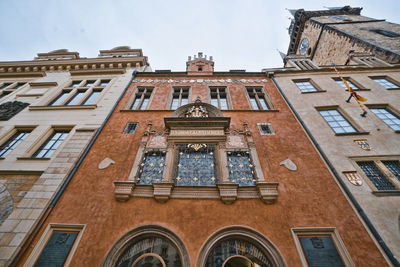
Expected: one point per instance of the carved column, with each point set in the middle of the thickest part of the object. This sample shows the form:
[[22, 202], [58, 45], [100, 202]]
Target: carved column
[[223, 173], [169, 163], [253, 153], [140, 152]]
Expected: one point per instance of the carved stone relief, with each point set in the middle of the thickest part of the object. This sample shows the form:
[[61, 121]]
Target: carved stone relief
[[289, 164], [9, 109], [105, 163], [157, 141]]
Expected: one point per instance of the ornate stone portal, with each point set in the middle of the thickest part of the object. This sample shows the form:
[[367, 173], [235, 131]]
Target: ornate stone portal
[[197, 156]]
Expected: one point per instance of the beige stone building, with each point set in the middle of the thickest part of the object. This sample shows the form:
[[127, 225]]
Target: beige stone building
[[50, 108], [360, 143]]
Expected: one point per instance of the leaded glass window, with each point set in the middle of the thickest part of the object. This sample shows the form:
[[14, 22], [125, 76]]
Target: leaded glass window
[[240, 168], [152, 167], [393, 166], [375, 175], [150, 251], [57, 249], [196, 165], [224, 251]]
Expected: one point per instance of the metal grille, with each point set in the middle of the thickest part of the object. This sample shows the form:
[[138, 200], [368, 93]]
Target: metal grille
[[196, 165], [388, 117], [241, 168], [337, 122], [152, 167], [306, 87], [130, 127], [393, 166], [375, 175]]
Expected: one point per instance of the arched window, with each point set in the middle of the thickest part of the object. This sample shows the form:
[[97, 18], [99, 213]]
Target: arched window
[[239, 246], [147, 246]]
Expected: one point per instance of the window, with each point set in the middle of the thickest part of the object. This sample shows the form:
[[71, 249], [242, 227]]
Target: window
[[130, 127], [257, 98], [196, 165], [337, 122], [219, 97], [59, 99], [104, 83], [11, 143], [180, 97], [306, 86], [386, 83], [265, 128], [152, 167], [51, 144], [376, 175], [240, 168], [349, 82], [75, 84], [4, 85], [388, 117], [142, 98], [9, 87], [385, 33], [393, 166], [340, 18], [74, 100], [56, 246], [91, 99]]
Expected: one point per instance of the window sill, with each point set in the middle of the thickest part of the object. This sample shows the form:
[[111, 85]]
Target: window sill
[[356, 133], [31, 158], [360, 89], [384, 193], [395, 88], [313, 92], [61, 107]]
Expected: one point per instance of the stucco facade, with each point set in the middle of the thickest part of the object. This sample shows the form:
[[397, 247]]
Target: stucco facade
[[50, 104], [292, 194]]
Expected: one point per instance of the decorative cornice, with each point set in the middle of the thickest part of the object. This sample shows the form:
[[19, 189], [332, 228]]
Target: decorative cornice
[[201, 80]]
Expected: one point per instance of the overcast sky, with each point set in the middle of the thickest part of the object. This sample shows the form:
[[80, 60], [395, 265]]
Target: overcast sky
[[238, 34]]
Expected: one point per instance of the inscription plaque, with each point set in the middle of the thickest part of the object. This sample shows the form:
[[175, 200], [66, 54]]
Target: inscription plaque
[[320, 251], [196, 132]]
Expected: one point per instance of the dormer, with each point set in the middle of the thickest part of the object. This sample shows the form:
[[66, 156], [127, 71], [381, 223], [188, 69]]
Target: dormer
[[200, 65], [57, 55]]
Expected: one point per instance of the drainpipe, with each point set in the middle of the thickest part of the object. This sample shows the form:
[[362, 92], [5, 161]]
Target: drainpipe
[[364, 216], [70, 175]]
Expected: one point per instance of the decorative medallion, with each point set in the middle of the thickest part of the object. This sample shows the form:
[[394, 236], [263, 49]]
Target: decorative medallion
[[196, 147], [235, 141], [105, 163], [9, 109], [289, 164], [196, 112], [157, 141], [353, 178], [363, 143]]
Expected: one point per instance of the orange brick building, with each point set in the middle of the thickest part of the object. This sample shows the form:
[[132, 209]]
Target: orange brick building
[[202, 168]]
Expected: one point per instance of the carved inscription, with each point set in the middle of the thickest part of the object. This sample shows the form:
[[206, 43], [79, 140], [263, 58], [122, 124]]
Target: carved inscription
[[196, 132]]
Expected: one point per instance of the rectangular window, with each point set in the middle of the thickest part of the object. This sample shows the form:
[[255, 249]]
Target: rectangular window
[[51, 144], [180, 97], [89, 83], [104, 83], [59, 99], [388, 117], [350, 83], [130, 127], [337, 122], [18, 85], [265, 128], [219, 97], [11, 143], [75, 84], [240, 168], [306, 86], [92, 97], [75, 99], [142, 98], [375, 175], [320, 251], [393, 166], [152, 167], [4, 85], [386, 83], [257, 98]]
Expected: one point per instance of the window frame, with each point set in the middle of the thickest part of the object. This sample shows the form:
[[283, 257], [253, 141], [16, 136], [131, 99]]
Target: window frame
[[228, 97], [378, 161], [50, 229], [389, 109], [359, 130], [260, 124], [134, 96], [6, 138], [171, 96], [262, 94], [351, 80], [387, 78], [317, 88], [48, 140], [11, 87]]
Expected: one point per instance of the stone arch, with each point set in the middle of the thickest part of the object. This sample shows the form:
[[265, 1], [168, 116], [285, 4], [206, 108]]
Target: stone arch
[[212, 111], [140, 233], [246, 234]]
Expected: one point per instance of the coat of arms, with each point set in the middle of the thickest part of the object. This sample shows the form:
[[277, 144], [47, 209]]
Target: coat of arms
[[353, 178]]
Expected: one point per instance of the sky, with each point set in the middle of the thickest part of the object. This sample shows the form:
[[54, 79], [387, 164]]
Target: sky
[[242, 34]]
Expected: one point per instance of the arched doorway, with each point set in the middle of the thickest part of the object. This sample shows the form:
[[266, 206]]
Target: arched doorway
[[239, 246], [148, 246]]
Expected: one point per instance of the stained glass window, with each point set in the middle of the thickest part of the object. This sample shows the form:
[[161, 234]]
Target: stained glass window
[[232, 247], [196, 165], [152, 167], [240, 168], [57, 249], [138, 254]]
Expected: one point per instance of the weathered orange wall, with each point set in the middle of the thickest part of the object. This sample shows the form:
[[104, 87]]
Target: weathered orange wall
[[309, 197]]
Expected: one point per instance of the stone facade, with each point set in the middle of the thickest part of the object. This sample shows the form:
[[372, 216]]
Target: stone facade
[[113, 199], [28, 90]]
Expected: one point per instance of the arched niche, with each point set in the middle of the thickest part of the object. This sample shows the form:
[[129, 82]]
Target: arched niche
[[148, 243], [239, 245]]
